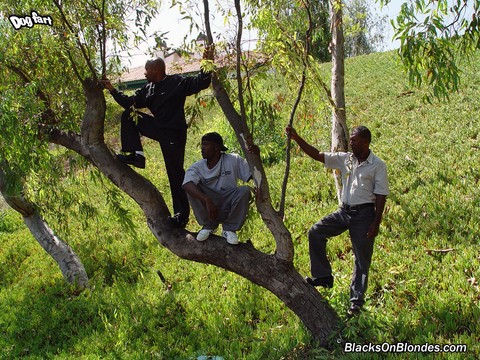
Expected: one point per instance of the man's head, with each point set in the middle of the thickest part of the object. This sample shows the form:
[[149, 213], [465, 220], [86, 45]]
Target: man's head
[[360, 141], [212, 145], [155, 70]]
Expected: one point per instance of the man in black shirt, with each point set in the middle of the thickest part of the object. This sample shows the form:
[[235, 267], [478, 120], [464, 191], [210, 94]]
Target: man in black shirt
[[164, 95]]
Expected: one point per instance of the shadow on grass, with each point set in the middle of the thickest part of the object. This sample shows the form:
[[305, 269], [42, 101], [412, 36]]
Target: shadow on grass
[[128, 321], [46, 321]]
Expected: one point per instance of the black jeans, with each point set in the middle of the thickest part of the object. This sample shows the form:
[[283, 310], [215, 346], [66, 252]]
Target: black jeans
[[172, 143], [357, 223]]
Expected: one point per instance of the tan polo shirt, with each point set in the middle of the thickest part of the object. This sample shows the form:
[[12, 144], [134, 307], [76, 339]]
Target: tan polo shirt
[[360, 181]]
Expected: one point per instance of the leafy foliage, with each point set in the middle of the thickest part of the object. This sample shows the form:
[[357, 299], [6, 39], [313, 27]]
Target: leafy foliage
[[283, 24], [42, 69], [122, 269], [363, 29], [431, 34]]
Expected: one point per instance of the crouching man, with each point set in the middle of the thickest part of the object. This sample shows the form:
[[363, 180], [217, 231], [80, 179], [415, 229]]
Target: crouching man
[[212, 190]]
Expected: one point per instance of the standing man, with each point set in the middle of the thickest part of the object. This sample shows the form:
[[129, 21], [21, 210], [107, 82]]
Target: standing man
[[211, 186], [164, 95], [364, 192]]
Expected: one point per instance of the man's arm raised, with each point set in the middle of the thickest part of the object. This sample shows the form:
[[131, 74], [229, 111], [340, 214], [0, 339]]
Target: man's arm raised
[[307, 148]]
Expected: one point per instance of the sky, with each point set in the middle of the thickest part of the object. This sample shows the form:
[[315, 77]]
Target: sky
[[170, 21]]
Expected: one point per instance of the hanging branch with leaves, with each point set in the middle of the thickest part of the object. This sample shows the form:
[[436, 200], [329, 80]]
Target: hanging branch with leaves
[[239, 62], [308, 34], [81, 46]]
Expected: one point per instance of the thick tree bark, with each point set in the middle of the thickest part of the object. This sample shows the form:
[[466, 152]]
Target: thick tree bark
[[70, 265], [266, 270], [273, 220], [339, 117], [72, 268]]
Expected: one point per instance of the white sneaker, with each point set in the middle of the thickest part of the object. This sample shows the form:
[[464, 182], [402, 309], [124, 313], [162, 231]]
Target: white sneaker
[[231, 237], [204, 234]]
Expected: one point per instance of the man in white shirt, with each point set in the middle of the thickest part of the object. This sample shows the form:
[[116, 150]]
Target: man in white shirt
[[364, 192], [211, 187]]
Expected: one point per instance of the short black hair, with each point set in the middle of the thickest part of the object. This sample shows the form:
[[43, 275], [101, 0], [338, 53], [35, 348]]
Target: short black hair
[[158, 63], [363, 132]]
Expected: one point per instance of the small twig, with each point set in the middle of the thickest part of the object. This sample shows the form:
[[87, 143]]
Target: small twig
[[239, 60], [160, 275], [167, 285], [438, 251]]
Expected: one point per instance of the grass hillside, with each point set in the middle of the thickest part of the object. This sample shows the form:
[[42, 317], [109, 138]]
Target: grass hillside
[[424, 286]]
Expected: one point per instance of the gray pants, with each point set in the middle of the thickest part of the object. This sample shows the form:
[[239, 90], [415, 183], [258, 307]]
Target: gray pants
[[357, 223], [232, 208]]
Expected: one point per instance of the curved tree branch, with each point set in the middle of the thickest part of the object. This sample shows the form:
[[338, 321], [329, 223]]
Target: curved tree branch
[[308, 34], [69, 263], [283, 240], [67, 139]]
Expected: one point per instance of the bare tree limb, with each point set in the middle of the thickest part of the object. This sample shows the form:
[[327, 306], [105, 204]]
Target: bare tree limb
[[67, 139], [69, 263], [238, 50], [308, 34]]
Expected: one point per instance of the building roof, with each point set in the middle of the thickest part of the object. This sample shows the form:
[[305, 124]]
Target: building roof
[[134, 78]]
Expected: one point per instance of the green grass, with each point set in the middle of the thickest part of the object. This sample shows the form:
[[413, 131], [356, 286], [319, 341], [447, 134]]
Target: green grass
[[416, 295]]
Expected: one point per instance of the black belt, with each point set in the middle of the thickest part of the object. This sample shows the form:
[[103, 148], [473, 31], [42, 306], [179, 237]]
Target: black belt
[[351, 208]]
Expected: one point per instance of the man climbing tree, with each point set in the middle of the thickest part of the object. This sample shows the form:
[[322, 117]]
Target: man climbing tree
[[164, 95]]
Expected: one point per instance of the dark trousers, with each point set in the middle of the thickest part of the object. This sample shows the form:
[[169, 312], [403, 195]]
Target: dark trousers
[[357, 223], [172, 143]]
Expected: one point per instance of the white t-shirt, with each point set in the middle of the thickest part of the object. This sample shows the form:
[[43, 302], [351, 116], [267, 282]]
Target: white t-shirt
[[360, 181], [223, 176]]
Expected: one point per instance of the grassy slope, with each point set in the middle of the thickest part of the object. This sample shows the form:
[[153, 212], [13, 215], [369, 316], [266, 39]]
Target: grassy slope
[[415, 295]]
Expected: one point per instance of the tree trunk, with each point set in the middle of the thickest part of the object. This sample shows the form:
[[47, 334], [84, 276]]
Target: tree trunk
[[273, 220], [72, 268], [70, 265], [339, 117]]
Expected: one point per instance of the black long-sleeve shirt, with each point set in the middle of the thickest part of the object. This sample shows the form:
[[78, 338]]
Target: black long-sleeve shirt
[[166, 99]]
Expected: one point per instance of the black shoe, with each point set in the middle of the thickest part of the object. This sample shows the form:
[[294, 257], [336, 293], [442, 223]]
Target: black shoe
[[178, 220], [326, 282], [354, 310], [132, 159]]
